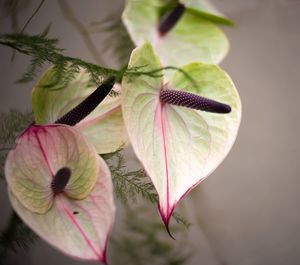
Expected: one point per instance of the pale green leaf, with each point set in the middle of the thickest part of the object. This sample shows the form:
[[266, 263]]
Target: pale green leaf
[[205, 9], [192, 39], [104, 127]]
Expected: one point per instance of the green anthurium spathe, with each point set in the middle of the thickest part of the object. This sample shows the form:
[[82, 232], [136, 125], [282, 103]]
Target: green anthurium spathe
[[205, 9], [104, 127], [192, 39], [178, 146], [62, 190]]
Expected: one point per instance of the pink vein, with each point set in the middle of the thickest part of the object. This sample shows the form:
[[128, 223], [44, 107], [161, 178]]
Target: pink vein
[[43, 152], [81, 231], [162, 126]]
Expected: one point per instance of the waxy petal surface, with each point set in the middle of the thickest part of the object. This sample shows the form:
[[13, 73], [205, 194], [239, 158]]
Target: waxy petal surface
[[78, 228], [192, 39], [41, 151], [104, 127], [178, 147], [205, 9]]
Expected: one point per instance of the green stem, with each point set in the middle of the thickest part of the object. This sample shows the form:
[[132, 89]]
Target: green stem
[[43, 50], [53, 56], [28, 21], [32, 16]]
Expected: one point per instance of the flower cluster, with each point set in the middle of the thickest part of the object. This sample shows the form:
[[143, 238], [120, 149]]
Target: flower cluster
[[179, 130]]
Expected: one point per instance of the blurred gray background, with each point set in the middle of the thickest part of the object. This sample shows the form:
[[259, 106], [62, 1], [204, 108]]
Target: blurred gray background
[[248, 211]]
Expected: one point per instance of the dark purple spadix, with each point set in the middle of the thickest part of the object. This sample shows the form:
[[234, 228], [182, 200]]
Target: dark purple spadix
[[60, 179], [170, 20], [88, 105], [189, 100]]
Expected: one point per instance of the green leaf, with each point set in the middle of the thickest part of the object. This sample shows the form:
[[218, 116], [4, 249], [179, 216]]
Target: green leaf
[[178, 147], [192, 39], [104, 127], [205, 9]]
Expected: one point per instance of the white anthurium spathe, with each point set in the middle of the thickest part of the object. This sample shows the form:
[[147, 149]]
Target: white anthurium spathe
[[192, 39], [178, 146], [61, 188], [103, 127]]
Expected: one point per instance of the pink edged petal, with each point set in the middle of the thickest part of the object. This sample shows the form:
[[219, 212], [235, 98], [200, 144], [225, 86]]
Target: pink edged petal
[[40, 152], [79, 228]]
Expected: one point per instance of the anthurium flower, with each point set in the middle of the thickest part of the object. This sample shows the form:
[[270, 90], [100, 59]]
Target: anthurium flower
[[62, 190], [178, 37], [180, 132], [59, 185], [103, 127]]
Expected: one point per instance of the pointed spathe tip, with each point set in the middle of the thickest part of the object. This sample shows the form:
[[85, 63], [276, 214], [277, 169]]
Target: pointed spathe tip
[[104, 260], [103, 257], [168, 229], [166, 216]]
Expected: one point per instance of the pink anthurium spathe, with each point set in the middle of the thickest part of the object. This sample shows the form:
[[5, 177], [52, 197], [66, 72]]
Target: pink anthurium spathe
[[62, 190], [59, 185], [180, 132]]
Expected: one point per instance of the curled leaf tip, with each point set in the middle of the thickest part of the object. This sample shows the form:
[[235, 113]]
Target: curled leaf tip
[[167, 226], [169, 232], [104, 258], [190, 100], [170, 20], [60, 179], [83, 109], [166, 220]]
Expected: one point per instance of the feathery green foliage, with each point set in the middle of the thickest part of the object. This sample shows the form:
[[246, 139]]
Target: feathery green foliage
[[180, 219], [128, 185], [16, 235], [43, 50], [11, 124]]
